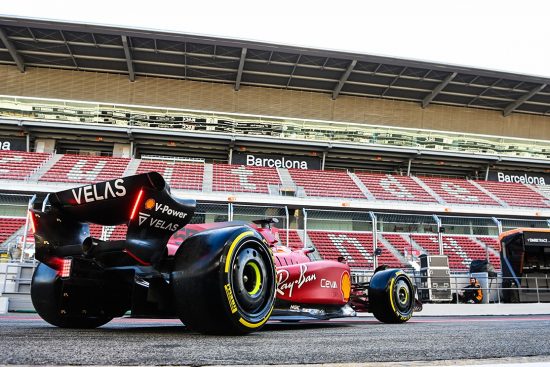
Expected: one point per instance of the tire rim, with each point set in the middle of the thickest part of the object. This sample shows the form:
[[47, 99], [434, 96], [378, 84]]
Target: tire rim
[[249, 278], [403, 296], [252, 278]]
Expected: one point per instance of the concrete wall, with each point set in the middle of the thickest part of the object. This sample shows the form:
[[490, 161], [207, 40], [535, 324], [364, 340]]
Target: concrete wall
[[113, 88]]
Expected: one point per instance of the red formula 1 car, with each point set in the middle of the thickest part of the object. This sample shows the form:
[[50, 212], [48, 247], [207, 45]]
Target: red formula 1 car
[[224, 278]]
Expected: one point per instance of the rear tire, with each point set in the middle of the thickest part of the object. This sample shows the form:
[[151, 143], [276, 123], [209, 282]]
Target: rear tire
[[224, 281], [391, 296], [46, 298]]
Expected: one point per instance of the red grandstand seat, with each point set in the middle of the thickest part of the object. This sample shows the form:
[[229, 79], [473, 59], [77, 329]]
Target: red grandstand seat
[[86, 169], [16, 165], [179, 175], [8, 227], [494, 255], [461, 250], [396, 188], [401, 244], [326, 183], [356, 247], [516, 194], [294, 240], [235, 178], [458, 191], [112, 233]]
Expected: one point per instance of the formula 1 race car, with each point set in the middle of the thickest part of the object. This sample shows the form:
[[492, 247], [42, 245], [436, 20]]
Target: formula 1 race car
[[225, 278]]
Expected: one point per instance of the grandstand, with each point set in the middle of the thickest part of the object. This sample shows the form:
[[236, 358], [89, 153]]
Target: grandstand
[[356, 152]]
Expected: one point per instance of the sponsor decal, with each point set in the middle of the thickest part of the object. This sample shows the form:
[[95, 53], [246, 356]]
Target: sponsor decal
[[283, 284], [149, 204], [91, 193], [346, 286], [524, 179], [13, 144], [325, 283], [536, 238], [274, 161], [156, 223], [164, 209], [230, 298], [530, 178], [282, 162], [142, 217]]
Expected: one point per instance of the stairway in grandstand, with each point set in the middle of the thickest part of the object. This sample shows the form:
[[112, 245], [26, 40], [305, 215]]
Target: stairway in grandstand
[[132, 167], [361, 186], [544, 190], [208, 178], [287, 184], [428, 190], [45, 167], [458, 191], [489, 193]]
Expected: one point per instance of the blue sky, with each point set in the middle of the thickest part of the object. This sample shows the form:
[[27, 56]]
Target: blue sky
[[498, 35]]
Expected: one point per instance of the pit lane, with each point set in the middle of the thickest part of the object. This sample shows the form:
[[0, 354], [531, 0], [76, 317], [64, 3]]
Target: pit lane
[[26, 339]]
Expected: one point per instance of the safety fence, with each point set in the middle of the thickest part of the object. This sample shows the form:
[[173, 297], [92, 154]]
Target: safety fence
[[15, 279], [494, 289], [20, 243]]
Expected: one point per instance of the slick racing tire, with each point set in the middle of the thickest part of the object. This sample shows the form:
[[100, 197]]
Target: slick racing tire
[[391, 296], [46, 298], [224, 281]]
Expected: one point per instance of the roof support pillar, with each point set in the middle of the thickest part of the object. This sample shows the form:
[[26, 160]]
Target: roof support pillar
[[240, 70], [426, 101], [343, 79], [512, 106], [129, 60], [12, 50]]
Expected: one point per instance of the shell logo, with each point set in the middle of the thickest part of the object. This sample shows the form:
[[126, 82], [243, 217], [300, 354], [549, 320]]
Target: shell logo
[[149, 204], [346, 286]]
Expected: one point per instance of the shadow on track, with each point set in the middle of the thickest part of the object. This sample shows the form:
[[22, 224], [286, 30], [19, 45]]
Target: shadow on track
[[182, 329]]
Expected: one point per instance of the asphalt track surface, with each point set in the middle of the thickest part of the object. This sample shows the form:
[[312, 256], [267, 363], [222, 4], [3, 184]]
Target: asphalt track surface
[[26, 339]]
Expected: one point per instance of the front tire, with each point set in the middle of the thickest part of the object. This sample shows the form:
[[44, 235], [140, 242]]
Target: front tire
[[46, 295], [391, 296], [224, 281]]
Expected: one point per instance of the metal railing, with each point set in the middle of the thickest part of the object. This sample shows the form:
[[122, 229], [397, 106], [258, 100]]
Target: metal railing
[[493, 292], [11, 280], [292, 128]]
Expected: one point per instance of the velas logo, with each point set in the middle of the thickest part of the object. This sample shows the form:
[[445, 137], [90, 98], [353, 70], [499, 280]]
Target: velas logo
[[142, 217], [149, 204]]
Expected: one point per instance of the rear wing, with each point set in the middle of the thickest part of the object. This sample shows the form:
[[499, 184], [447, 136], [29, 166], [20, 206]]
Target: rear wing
[[143, 202]]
